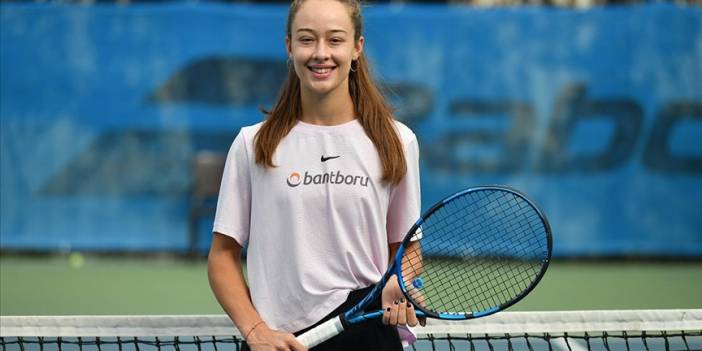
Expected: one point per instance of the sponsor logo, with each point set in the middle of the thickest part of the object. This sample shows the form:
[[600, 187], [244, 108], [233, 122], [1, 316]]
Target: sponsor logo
[[333, 177], [325, 159], [294, 179]]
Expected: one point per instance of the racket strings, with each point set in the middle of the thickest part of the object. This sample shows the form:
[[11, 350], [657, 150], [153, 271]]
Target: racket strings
[[478, 251]]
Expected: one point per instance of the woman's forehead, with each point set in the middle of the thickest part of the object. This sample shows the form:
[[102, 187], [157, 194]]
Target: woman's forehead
[[323, 15]]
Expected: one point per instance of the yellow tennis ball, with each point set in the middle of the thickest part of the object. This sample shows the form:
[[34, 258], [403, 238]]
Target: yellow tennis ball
[[76, 260]]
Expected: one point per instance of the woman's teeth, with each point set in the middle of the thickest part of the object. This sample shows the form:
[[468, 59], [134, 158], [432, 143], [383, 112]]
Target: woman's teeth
[[321, 70]]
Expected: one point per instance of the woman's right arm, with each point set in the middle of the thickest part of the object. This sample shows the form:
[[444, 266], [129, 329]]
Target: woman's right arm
[[227, 282]]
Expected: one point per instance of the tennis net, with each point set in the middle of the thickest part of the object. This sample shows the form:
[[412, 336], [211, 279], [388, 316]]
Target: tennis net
[[508, 331]]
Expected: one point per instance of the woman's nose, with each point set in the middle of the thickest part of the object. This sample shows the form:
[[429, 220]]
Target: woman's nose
[[321, 51]]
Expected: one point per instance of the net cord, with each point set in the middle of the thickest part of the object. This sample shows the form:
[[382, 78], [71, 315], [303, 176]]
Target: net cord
[[557, 323]]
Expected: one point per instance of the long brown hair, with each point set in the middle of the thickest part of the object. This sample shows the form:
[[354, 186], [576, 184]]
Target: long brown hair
[[370, 106]]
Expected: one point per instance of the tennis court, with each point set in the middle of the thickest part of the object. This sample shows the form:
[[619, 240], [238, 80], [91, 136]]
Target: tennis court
[[109, 286], [579, 305], [161, 287]]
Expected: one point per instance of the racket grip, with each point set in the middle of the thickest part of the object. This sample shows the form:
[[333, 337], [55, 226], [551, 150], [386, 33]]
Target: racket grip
[[321, 333]]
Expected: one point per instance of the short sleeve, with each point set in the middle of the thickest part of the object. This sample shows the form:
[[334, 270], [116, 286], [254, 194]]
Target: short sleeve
[[234, 202], [405, 203]]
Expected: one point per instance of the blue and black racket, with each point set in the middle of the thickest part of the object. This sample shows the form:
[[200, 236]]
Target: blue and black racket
[[479, 251]]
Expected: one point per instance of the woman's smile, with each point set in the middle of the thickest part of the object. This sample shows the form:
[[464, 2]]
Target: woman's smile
[[321, 71]]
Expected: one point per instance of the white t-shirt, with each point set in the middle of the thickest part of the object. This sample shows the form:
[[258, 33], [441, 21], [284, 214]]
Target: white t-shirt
[[317, 225]]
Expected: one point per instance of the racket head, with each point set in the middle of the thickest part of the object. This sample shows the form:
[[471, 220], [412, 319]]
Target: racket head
[[481, 250]]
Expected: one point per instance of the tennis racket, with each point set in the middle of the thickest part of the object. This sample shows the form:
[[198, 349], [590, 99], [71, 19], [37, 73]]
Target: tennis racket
[[479, 251]]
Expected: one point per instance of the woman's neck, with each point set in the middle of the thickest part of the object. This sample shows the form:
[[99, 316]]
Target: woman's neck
[[327, 110]]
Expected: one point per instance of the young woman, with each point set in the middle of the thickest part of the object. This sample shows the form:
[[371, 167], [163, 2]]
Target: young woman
[[322, 193]]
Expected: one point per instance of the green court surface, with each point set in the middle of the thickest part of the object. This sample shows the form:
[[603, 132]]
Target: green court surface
[[136, 286]]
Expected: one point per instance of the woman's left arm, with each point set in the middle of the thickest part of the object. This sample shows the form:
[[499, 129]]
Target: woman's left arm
[[403, 209]]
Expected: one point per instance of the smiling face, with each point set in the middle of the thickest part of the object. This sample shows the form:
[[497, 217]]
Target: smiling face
[[322, 46]]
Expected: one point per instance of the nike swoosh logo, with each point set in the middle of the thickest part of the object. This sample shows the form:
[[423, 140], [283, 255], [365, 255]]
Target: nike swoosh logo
[[325, 159]]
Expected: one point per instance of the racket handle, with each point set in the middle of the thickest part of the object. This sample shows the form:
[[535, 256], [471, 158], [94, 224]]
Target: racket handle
[[321, 333]]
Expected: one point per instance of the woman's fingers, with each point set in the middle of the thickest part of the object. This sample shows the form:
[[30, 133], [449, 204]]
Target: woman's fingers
[[401, 312], [411, 315], [393, 312], [386, 315]]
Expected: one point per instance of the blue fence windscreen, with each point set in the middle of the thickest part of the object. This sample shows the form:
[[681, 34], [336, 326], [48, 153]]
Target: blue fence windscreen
[[597, 114]]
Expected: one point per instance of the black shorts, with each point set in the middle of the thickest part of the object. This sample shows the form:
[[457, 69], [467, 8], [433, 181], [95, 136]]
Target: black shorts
[[372, 335]]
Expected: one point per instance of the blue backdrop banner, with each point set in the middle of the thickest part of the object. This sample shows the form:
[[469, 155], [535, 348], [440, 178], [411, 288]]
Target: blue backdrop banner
[[596, 114]]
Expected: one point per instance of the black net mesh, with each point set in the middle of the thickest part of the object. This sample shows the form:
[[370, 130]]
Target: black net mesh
[[625, 341]]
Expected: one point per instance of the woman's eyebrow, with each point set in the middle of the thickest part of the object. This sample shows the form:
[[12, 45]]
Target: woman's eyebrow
[[313, 31]]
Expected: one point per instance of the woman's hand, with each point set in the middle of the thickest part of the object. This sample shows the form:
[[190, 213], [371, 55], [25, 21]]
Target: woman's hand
[[396, 310], [262, 338]]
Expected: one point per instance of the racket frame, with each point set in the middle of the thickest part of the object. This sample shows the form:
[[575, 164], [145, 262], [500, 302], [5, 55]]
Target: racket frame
[[397, 261]]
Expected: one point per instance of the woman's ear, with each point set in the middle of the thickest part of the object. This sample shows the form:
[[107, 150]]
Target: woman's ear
[[288, 46], [358, 47]]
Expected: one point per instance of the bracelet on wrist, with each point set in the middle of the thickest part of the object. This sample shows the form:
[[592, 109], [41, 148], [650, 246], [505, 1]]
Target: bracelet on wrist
[[246, 337]]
